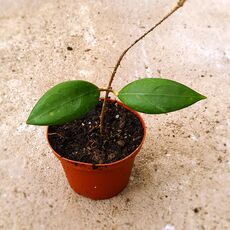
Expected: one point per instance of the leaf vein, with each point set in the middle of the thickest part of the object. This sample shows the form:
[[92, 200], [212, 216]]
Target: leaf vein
[[160, 95]]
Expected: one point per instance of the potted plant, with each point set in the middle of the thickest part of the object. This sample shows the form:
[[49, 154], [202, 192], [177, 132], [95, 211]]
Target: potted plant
[[97, 139]]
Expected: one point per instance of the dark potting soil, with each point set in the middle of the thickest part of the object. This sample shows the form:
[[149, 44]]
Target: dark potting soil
[[81, 140]]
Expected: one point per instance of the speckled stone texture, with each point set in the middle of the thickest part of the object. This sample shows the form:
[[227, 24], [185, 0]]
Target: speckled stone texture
[[181, 178]]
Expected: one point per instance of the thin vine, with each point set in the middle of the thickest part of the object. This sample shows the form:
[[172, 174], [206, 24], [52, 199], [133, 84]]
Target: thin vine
[[109, 89]]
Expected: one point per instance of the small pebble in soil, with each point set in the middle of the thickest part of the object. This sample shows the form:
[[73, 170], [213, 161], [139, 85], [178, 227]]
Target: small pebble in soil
[[121, 143]]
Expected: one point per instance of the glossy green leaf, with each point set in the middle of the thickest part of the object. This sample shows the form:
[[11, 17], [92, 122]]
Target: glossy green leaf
[[64, 102], [157, 95]]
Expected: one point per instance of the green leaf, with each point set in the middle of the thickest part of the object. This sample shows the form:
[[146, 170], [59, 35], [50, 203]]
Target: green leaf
[[157, 95], [64, 102]]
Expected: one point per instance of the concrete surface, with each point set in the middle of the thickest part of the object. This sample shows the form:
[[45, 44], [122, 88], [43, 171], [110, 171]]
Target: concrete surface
[[181, 178]]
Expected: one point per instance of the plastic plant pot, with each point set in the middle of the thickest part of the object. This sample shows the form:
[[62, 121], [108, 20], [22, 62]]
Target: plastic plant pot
[[100, 181]]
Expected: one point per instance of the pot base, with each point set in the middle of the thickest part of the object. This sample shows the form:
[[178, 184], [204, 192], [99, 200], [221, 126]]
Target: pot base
[[99, 183]]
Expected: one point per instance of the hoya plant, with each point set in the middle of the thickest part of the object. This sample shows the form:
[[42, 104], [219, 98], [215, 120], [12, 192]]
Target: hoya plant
[[72, 100]]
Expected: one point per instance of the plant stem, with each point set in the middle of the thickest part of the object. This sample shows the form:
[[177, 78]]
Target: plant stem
[[180, 3]]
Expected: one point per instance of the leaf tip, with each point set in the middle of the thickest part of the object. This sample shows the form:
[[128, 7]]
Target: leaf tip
[[29, 121], [202, 97]]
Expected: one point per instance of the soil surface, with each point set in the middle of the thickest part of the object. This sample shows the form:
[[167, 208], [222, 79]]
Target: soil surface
[[81, 140]]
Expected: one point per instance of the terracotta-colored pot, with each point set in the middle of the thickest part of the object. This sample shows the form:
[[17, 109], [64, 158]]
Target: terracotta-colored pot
[[100, 181]]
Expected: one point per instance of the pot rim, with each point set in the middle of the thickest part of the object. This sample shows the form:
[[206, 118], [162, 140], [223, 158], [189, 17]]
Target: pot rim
[[133, 154]]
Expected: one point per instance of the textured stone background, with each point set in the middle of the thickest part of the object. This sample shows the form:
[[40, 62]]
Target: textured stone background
[[181, 178]]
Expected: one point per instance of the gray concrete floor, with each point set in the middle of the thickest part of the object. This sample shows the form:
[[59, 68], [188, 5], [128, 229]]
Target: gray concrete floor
[[181, 178]]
